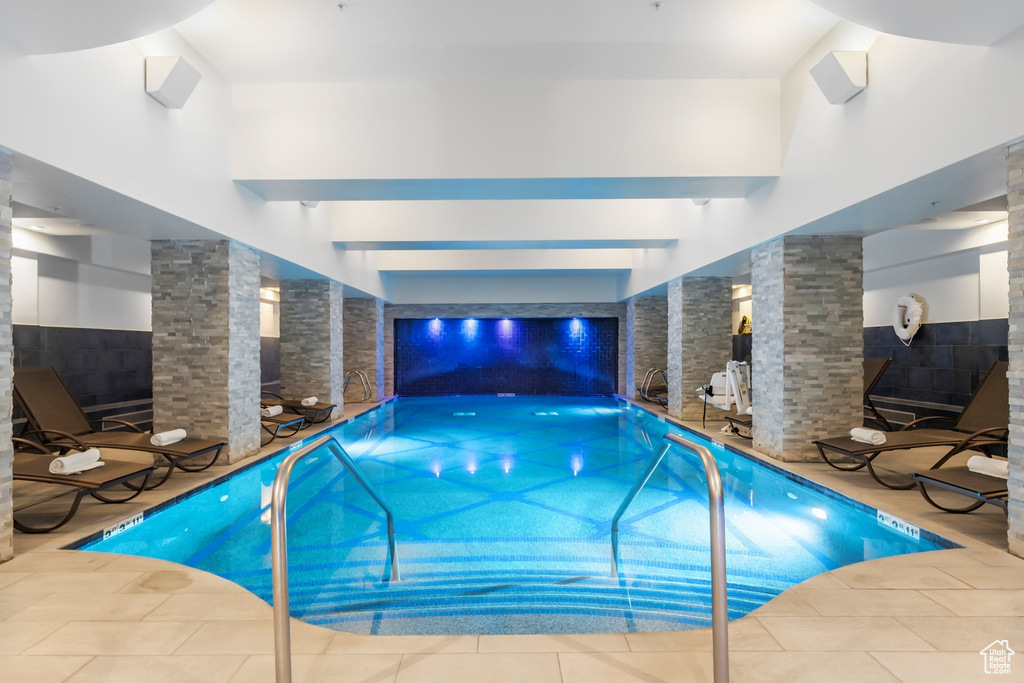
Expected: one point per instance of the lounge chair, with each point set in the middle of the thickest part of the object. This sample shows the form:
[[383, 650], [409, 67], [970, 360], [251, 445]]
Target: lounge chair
[[981, 488], [984, 422], [32, 463], [873, 370], [274, 425], [56, 419], [318, 412]]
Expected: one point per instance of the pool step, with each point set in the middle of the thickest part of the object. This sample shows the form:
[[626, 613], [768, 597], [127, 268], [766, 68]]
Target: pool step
[[484, 603]]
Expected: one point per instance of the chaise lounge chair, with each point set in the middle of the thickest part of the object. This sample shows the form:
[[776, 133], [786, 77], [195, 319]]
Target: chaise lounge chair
[[874, 368], [981, 488], [55, 418], [32, 463], [318, 412], [984, 422], [274, 425]]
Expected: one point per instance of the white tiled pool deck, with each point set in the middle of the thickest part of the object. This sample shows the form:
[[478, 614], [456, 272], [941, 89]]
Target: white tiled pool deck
[[94, 617]]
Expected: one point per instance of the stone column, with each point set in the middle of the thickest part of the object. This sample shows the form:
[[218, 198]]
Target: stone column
[[1015, 485], [6, 362], [808, 346], [379, 351], [312, 344], [206, 341], [632, 384], [364, 326], [650, 319], [699, 339]]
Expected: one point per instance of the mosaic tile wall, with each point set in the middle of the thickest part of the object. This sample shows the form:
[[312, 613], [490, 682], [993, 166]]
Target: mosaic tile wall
[[394, 312], [446, 356]]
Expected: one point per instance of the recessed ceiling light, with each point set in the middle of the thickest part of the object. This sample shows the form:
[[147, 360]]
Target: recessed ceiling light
[[37, 228]]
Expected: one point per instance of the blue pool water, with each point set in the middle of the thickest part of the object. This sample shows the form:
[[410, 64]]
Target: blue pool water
[[503, 509]]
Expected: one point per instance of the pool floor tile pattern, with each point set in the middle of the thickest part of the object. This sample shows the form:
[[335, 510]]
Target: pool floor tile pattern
[[786, 640]]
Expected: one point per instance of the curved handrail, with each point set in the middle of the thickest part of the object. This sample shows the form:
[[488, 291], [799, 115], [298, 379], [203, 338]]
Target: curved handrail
[[716, 507], [363, 380], [279, 543], [645, 386]]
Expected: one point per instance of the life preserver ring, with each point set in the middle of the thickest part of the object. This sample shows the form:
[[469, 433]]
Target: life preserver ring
[[906, 317]]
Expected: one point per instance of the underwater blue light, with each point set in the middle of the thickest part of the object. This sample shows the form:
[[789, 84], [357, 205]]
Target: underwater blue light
[[470, 328], [434, 328]]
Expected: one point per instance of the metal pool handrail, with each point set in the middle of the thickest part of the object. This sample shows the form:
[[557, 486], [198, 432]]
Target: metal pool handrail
[[716, 507], [279, 543]]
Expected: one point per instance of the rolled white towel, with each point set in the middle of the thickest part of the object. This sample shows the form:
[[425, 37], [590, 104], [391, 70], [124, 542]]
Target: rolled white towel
[[271, 411], [309, 401], [167, 438], [73, 463], [989, 466], [871, 436]]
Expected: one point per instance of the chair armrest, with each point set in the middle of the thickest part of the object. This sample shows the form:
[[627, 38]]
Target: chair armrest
[[26, 445], [66, 436], [132, 425], [924, 419]]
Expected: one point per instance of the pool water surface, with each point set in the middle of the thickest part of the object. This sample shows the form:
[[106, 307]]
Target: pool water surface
[[503, 509]]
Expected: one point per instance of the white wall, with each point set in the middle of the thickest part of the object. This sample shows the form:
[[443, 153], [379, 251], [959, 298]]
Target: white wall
[[961, 275], [94, 281], [557, 129], [87, 114], [917, 134]]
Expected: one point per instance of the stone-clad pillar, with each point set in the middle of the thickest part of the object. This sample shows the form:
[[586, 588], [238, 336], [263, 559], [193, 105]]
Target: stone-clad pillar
[[808, 345], [6, 362], [649, 317], [1015, 200], [312, 345], [379, 351], [364, 328], [699, 339], [206, 341]]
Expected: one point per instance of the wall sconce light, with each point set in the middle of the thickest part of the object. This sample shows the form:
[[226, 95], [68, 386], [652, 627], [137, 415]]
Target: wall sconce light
[[841, 75], [171, 80]]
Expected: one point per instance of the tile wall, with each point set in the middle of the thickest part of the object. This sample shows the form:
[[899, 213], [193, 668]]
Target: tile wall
[[446, 356]]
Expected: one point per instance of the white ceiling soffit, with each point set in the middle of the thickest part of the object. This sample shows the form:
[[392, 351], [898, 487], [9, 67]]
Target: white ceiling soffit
[[980, 22], [410, 189], [293, 41], [515, 260], [48, 26], [504, 225]]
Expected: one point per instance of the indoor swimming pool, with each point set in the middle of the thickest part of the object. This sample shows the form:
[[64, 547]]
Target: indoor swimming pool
[[503, 507]]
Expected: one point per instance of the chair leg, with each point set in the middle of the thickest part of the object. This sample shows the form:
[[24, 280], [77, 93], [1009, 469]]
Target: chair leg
[[843, 467], [973, 506], [137, 490], [24, 528], [178, 462], [895, 487]]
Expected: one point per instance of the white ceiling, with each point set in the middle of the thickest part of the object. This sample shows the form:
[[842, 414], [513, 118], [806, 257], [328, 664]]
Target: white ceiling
[[269, 41]]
